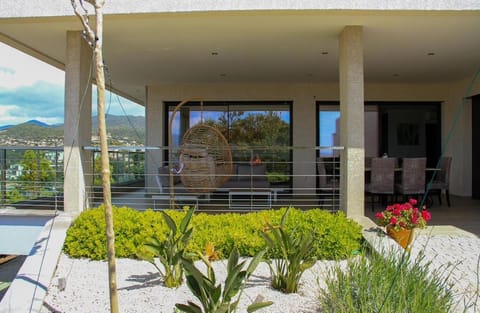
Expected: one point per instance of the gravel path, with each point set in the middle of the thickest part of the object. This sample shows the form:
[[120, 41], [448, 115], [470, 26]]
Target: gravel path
[[141, 290], [458, 259]]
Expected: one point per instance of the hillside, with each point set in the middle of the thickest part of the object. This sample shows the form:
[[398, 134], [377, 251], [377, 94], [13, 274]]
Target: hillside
[[122, 130]]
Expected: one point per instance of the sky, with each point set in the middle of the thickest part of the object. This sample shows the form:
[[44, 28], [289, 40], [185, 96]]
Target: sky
[[31, 89]]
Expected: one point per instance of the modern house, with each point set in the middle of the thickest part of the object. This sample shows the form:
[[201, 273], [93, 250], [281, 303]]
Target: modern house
[[401, 75]]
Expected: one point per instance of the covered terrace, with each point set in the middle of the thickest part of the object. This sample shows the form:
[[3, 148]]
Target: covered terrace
[[314, 57]]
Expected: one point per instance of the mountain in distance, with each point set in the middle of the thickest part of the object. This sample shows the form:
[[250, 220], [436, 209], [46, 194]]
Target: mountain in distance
[[122, 130], [38, 123], [5, 127], [30, 122]]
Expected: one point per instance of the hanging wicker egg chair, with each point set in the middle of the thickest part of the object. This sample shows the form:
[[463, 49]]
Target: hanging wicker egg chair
[[205, 157]]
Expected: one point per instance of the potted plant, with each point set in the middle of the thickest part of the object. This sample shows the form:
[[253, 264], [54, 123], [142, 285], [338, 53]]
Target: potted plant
[[400, 221]]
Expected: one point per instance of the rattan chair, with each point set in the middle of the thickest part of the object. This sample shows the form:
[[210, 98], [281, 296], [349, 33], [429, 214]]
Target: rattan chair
[[205, 156], [382, 179], [328, 186], [412, 182], [441, 180]]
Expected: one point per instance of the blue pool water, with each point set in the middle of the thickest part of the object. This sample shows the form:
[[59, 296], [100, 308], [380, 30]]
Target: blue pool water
[[18, 234]]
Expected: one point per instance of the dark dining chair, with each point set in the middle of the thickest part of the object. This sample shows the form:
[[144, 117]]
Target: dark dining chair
[[382, 179], [412, 181], [328, 185], [441, 181]]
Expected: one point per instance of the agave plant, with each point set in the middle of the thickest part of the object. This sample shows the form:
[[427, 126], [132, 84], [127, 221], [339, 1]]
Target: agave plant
[[296, 255], [212, 297], [171, 251]]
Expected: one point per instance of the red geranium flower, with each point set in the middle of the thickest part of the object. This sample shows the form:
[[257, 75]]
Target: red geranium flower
[[426, 215], [403, 216]]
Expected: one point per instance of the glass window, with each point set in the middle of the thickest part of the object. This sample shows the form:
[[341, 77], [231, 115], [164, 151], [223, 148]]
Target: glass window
[[260, 129], [399, 129]]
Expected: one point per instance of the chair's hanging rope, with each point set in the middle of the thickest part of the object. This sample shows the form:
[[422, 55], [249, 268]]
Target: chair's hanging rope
[[170, 149]]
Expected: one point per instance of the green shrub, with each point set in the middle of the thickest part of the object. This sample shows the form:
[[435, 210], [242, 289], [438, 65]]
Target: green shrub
[[384, 284], [335, 236], [86, 237], [296, 255], [171, 250], [217, 297]]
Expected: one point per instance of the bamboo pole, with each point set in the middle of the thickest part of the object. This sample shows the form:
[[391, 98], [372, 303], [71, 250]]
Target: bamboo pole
[[95, 40]]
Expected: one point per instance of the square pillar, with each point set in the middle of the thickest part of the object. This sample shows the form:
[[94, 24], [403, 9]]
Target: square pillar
[[154, 137], [78, 123], [352, 167]]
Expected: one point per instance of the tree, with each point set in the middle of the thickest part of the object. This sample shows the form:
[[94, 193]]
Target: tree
[[36, 172], [94, 37]]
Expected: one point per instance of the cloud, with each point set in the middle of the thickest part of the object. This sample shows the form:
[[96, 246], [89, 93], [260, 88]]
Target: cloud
[[31, 89], [6, 71], [19, 69], [42, 101]]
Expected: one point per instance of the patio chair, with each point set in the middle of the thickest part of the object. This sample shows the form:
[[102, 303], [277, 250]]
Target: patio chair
[[164, 195], [441, 181], [382, 179], [412, 183], [328, 185]]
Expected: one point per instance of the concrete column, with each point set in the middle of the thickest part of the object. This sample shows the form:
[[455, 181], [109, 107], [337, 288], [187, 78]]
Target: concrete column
[[154, 137], [352, 181], [304, 167], [78, 123]]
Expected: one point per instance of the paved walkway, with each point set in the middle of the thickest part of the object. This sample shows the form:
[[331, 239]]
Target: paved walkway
[[453, 252]]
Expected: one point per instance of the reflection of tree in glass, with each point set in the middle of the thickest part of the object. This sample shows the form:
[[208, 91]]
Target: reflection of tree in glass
[[259, 132], [263, 129], [37, 171]]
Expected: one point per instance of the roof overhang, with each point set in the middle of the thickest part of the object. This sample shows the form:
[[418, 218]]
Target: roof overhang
[[257, 46]]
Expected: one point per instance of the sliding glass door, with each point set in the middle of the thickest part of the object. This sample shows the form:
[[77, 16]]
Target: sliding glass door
[[398, 129], [252, 128]]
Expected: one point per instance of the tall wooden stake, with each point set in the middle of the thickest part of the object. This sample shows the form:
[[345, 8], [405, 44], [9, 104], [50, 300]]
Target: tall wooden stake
[[94, 37]]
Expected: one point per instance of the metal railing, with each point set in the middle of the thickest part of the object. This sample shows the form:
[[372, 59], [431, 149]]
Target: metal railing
[[32, 177]]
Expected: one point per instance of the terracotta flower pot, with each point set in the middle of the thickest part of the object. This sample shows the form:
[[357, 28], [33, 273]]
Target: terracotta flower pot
[[403, 237]]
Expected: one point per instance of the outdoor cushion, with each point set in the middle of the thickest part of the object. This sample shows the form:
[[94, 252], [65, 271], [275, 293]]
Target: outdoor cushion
[[252, 172]]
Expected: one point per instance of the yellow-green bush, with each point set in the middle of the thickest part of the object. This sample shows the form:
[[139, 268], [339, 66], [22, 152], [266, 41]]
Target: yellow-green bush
[[335, 236]]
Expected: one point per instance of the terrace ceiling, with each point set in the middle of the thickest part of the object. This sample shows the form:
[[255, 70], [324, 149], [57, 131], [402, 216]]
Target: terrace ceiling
[[262, 46]]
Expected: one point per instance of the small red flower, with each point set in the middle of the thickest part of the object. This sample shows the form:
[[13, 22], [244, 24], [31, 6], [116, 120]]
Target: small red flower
[[414, 219], [426, 215], [403, 216]]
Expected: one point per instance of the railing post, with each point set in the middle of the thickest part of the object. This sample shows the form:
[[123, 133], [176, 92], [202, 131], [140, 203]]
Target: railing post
[[3, 169]]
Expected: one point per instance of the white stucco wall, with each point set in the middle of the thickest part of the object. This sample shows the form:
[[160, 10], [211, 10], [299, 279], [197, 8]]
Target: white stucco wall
[[457, 130], [304, 97], [34, 8]]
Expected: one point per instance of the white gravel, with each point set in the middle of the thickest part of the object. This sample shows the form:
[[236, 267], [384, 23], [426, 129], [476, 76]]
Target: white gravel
[[140, 288]]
